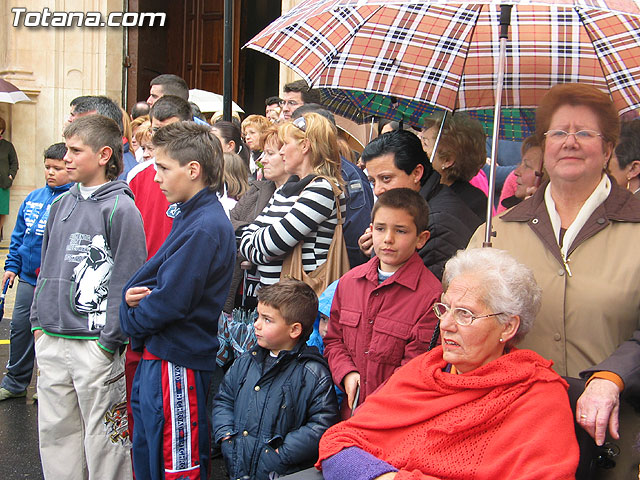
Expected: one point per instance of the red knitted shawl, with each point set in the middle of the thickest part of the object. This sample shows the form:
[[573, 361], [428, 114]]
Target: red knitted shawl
[[508, 419]]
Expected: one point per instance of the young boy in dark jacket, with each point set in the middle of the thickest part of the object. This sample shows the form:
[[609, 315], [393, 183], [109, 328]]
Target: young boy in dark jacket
[[171, 309], [276, 400]]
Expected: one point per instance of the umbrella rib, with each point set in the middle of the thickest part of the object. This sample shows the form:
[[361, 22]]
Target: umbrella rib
[[466, 57]]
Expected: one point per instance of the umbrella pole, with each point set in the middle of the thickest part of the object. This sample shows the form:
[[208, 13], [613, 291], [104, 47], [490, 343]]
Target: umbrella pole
[[437, 142], [227, 69], [505, 20]]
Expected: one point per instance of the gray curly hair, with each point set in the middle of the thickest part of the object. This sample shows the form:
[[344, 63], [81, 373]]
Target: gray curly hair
[[508, 285]]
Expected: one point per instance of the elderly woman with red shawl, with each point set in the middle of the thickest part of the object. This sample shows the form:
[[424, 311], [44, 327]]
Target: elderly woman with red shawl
[[473, 408]]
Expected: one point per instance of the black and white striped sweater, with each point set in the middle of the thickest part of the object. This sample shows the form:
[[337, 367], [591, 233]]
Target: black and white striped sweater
[[294, 214]]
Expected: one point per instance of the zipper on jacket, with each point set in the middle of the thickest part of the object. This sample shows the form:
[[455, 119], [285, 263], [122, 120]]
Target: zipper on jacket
[[566, 261]]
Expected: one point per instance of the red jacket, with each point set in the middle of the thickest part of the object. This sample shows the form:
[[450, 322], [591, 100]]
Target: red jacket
[[509, 419], [153, 207], [375, 328]]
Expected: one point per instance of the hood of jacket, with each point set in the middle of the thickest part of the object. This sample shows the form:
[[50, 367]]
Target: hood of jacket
[[109, 189]]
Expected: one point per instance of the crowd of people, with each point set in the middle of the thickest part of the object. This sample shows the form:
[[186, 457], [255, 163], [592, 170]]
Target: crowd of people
[[170, 269]]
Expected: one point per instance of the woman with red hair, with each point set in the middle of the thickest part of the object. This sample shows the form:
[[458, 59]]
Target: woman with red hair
[[576, 234]]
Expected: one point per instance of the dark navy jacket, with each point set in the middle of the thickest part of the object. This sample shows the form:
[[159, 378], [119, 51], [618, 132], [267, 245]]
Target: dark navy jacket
[[359, 202], [128, 161], [451, 223], [288, 408], [189, 279]]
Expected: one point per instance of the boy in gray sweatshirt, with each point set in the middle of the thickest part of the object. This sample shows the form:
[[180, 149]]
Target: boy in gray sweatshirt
[[93, 243]]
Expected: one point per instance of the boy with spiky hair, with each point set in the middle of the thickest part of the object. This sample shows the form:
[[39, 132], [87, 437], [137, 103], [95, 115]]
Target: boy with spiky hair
[[92, 244], [172, 305]]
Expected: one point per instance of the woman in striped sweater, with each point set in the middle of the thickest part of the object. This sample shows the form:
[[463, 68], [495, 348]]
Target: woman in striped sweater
[[304, 208]]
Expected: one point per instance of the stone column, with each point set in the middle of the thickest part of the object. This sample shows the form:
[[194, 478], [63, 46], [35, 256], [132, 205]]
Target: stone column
[[53, 65]]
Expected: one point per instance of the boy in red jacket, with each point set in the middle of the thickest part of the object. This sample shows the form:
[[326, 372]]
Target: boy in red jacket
[[381, 316]]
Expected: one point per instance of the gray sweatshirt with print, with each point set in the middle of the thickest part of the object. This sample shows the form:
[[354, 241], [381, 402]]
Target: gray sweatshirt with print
[[91, 247]]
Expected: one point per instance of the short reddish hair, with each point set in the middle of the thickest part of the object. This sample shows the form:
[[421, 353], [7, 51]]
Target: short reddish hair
[[577, 94]]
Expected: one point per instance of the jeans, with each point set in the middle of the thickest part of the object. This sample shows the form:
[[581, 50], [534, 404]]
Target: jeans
[[21, 351]]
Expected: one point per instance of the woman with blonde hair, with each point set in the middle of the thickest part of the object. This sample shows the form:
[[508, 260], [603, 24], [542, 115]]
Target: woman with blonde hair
[[143, 138], [236, 176], [135, 144], [252, 128], [304, 209]]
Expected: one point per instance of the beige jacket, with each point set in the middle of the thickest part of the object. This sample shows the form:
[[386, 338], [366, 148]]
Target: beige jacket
[[589, 314], [589, 320]]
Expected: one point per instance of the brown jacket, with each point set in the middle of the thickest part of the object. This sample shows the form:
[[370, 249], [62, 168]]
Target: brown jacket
[[589, 319]]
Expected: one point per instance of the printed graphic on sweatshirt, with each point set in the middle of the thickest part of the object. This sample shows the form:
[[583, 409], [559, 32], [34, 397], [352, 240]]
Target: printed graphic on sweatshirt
[[91, 277], [32, 214]]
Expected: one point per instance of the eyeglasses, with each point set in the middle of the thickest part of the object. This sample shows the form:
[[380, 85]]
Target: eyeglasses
[[301, 123], [560, 136], [462, 316], [291, 103]]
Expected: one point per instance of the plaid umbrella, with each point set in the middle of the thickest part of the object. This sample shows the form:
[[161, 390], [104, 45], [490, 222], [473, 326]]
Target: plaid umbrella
[[515, 123], [446, 53], [455, 55], [9, 93]]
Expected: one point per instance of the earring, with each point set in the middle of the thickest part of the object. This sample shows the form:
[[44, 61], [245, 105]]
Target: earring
[[628, 182], [501, 340]]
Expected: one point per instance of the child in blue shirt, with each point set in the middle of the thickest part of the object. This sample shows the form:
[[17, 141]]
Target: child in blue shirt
[[23, 261]]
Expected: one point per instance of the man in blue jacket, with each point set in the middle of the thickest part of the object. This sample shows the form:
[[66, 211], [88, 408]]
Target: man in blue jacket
[[24, 261]]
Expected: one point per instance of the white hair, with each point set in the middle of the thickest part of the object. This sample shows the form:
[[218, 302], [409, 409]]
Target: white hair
[[508, 286]]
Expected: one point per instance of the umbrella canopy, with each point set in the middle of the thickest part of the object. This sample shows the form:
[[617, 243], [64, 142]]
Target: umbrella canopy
[[209, 102], [9, 93], [515, 123], [446, 53]]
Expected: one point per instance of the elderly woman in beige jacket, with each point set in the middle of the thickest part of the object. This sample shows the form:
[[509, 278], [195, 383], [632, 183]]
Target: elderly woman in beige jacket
[[575, 233]]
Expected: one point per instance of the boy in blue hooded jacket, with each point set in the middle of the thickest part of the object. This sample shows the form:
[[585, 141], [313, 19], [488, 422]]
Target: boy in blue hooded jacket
[[23, 261]]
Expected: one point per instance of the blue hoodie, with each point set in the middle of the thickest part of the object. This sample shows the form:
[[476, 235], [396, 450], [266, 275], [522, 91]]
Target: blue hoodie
[[189, 278], [26, 240]]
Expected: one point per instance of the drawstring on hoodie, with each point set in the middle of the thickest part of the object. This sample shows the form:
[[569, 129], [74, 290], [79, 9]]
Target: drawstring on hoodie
[[77, 200], [73, 207]]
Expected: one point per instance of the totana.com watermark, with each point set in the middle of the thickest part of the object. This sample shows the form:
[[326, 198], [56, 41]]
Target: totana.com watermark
[[47, 18]]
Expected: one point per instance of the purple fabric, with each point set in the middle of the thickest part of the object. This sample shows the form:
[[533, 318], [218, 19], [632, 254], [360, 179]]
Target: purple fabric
[[354, 463]]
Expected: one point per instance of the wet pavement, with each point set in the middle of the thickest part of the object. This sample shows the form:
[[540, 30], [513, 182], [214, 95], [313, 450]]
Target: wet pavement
[[19, 456]]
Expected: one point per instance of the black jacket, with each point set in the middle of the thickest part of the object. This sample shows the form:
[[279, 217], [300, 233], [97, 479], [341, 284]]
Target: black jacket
[[473, 197], [451, 223], [288, 407]]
